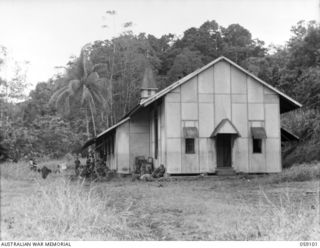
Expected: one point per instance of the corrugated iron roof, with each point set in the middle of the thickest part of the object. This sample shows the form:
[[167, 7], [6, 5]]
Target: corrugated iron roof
[[113, 127], [93, 140], [88, 143]]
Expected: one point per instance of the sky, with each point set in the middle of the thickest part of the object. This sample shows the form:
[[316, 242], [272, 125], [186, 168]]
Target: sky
[[47, 32]]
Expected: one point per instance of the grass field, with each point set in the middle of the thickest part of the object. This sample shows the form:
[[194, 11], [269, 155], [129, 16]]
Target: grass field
[[269, 207]]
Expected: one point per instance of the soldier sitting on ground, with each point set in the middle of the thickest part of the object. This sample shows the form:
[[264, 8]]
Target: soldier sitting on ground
[[159, 172], [146, 172]]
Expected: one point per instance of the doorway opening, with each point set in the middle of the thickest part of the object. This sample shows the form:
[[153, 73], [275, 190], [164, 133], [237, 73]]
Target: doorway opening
[[224, 150]]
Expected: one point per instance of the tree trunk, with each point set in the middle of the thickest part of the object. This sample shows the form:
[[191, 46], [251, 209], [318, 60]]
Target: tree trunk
[[111, 83], [93, 122], [87, 122]]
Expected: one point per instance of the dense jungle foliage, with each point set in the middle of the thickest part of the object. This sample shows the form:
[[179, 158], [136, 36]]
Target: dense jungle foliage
[[102, 84]]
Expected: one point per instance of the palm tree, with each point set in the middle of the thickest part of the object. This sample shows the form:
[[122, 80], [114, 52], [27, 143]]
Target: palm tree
[[84, 85]]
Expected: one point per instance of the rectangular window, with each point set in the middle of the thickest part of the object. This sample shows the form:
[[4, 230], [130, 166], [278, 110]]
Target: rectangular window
[[190, 146], [257, 145]]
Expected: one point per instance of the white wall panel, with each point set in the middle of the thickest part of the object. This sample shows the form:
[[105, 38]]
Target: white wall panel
[[273, 155], [237, 98], [241, 158], [268, 91], [173, 119], [222, 78], [206, 119], [256, 111], [190, 124], [163, 135], [212, 165], [173, 155], [173, 97], [206, 97], [240, 118], [189, 90], [272, 120], [189, 111], [139, 146], [205, 80], [271, 98], [238, 81], [255, 91], [205, 153], [256, 124], [222, 108], [122, 148]]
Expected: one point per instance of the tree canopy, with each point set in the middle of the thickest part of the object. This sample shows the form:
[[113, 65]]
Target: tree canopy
[[103, 83]]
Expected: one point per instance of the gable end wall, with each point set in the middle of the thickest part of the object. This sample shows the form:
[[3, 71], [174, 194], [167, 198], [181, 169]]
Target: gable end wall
[[221, 91]]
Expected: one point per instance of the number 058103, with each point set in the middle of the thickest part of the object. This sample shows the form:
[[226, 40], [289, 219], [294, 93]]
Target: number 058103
[[308, 243]]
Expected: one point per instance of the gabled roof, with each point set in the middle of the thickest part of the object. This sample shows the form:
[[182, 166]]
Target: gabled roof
[[93, 140], [113, 127], [225, 127], [286, 102]]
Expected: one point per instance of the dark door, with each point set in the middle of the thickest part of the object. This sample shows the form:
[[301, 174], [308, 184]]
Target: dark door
[[223, 147]]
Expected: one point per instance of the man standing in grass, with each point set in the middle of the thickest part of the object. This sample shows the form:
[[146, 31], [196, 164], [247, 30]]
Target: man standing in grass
[[32, 164], [77, 165]]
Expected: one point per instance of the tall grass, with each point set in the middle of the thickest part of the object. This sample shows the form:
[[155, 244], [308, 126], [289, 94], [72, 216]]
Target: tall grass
[[306, 124], [204, 209], [61, 210], [286, 217], [21, 170], [15, 171], [297, 173]]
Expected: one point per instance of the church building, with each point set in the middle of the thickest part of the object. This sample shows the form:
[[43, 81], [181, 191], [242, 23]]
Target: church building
[[218, 118]]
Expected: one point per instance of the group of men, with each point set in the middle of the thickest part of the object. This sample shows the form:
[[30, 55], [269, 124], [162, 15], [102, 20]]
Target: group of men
[[94, 167]]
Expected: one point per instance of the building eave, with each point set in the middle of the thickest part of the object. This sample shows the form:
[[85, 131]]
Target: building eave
[[113, 127], [286, 135]]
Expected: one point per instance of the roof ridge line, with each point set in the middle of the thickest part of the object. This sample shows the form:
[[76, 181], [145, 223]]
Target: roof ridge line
[[199, 70]]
